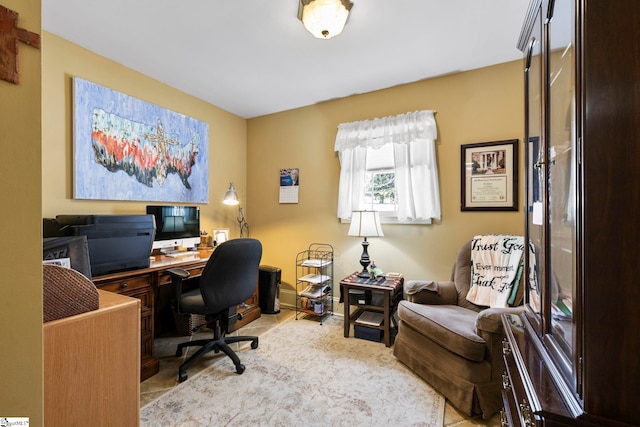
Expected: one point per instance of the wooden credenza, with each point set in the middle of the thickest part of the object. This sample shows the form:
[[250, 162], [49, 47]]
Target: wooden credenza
[[152, 286], [91, 362]]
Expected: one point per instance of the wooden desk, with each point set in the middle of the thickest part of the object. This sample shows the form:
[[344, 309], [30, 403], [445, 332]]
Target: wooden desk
[[392, 294], [152, 287]]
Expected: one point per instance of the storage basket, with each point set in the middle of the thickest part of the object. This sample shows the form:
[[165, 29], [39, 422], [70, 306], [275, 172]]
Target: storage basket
[[186, 322]]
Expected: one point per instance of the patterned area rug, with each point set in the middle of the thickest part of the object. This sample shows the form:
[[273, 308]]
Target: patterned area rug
[[302, 373]]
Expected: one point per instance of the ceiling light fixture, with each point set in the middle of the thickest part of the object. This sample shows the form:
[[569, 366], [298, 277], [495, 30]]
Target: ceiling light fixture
[[324, 18]]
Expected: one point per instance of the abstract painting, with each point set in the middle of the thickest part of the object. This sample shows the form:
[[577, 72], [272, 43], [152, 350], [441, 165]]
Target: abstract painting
[[129, 149]]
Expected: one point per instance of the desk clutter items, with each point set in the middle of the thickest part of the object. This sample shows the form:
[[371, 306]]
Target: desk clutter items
[[206, 241]]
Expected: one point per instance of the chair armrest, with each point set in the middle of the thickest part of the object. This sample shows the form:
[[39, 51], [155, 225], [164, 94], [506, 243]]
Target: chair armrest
[[178, 273], [433, 293], [177, 276], [490, 320]]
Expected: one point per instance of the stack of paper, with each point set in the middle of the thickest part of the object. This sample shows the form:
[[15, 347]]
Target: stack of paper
[[315, 278], [315, 291], [370, 318], [315, 263]]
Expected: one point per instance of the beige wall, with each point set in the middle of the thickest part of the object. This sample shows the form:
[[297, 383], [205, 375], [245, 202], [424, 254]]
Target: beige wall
[[21, 302], [61, 61], [476, 106]]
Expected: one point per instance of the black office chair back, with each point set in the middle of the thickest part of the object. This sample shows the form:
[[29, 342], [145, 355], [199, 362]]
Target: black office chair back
[[231, 274]]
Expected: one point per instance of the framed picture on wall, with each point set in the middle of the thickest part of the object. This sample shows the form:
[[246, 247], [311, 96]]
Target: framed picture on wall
[[129, 149], [220, 235], [489, 176]]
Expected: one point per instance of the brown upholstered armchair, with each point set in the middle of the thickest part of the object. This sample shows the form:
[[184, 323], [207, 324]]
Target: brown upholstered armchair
[[451, 343]]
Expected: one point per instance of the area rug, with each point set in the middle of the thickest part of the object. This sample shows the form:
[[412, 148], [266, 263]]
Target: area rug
[[302, 373]]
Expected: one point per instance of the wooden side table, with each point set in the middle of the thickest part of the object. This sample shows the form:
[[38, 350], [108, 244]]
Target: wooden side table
[[392, 294]]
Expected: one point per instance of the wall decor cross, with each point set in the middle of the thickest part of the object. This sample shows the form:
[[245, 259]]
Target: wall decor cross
[[10, 35]]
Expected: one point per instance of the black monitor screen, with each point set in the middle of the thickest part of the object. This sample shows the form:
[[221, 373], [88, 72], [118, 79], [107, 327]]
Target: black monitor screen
[[176, 222]]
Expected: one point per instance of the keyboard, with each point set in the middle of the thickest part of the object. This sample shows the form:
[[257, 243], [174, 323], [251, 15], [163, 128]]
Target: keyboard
[[180, 254]]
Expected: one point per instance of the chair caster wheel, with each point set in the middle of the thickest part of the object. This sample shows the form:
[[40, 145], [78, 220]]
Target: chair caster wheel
[[182, 377], [240, 369], [254, 344], [179, 352]]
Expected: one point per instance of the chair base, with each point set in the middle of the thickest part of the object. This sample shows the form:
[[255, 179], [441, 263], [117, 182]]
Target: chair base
[[216, 345]]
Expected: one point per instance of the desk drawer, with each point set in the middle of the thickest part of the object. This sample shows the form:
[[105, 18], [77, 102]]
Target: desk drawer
[[124, 285]]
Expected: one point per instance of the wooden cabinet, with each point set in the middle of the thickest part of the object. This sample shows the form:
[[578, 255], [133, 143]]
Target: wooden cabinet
[[152, 286], [571, 358], [91, 365], [140, 286]]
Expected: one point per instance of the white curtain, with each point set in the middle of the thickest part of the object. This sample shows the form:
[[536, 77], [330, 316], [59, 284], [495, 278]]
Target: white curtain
[[413, 136]]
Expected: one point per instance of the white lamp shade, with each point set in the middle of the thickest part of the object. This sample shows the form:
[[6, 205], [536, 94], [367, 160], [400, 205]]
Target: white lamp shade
[[365, 224], [231, 197], [325, 18]]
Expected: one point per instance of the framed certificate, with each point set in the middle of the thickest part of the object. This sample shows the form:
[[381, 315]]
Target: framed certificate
[[489, 178]]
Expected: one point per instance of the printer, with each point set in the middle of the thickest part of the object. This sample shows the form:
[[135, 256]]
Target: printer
[[115, 242]]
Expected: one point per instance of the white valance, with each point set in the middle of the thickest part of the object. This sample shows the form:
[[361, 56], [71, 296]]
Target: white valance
[[400, 129], [412, 136]]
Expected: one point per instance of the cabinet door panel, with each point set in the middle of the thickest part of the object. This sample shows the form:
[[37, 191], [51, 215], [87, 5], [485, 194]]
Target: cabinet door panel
[[561, 180], [534, 157]]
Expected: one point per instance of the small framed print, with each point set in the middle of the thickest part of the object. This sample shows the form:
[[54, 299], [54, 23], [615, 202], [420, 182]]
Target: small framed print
[[489, 178], [220, 235]]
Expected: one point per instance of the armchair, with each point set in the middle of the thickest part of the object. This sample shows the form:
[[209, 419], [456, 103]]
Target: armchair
[[454, 345], [228, 279]]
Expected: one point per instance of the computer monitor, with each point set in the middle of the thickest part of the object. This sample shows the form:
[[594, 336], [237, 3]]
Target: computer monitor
[[72, 248], [176, 226]]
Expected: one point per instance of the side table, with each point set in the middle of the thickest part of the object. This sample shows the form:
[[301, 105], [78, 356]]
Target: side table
[[392, 293]]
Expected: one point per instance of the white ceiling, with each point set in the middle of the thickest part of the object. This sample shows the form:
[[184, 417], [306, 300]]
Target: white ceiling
[[254, 57]]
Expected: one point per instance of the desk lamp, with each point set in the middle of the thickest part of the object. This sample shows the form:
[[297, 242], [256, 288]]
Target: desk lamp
[[365, 224], [231, 199]]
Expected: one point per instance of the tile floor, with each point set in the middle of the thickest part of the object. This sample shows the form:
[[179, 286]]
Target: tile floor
[[167, 377]]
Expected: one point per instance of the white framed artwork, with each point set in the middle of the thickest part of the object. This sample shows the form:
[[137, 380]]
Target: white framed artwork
[[220, 235]]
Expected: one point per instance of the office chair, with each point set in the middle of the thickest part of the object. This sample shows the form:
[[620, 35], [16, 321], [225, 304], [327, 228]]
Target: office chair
[[229, 278]]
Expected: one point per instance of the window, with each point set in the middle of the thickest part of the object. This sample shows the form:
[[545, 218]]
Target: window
[[389, 165], [380, 181]]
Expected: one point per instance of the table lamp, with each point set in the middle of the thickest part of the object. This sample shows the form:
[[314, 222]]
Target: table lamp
[[365, 224]]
